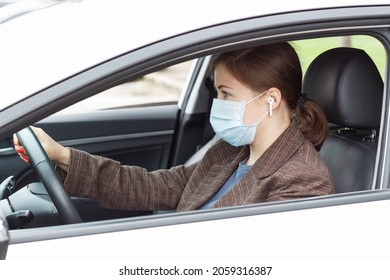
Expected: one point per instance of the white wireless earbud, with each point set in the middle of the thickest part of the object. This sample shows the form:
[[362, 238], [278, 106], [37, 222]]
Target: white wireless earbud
[[271, 105]]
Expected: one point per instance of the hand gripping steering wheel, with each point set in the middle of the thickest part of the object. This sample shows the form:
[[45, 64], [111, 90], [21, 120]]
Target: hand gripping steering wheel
[[46, 172]]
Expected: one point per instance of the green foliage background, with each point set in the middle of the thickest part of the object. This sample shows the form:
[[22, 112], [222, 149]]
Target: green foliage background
[[310, 48]]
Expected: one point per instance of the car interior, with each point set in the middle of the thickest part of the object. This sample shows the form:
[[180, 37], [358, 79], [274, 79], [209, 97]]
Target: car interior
[[344, 81]]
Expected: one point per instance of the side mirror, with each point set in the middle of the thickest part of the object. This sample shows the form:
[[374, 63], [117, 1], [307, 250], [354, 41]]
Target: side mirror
[[4, 237]]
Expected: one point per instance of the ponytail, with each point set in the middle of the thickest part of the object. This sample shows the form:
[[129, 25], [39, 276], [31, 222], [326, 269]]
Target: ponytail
[[312, 122]]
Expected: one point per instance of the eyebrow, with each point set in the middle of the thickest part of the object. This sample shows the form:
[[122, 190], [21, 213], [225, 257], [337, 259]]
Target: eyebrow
[[223, 86]]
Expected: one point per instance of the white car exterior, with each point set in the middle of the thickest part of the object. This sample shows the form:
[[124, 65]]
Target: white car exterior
[[345, 232]]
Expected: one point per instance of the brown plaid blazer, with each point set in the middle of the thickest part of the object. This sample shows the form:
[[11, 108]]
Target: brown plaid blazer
[[290, 168]]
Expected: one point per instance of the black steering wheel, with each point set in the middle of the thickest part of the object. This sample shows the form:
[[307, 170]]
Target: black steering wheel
[[46, 172]]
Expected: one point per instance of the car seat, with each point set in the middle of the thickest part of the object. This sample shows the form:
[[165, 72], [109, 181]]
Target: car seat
[[348, 86]]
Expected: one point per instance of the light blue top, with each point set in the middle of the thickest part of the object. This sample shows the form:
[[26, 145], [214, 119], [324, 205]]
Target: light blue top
[[241, 170]]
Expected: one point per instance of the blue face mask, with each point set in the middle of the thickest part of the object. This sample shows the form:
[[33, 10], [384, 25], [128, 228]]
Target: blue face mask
[[226, 118]]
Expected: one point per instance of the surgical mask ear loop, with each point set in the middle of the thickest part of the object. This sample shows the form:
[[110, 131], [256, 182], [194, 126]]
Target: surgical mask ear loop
[[261, 94], [261, 119]]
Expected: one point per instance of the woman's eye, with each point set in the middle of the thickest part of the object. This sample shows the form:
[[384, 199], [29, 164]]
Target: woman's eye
[[223, 94]]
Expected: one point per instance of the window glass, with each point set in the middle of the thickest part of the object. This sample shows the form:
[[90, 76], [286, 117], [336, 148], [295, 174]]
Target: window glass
[[311, 48], [159, 87]]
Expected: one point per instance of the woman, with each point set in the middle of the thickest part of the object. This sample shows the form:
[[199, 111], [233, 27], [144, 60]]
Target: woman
[[269, 134]]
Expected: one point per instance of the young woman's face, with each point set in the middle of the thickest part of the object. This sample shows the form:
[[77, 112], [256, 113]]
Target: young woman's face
[[229, 88]]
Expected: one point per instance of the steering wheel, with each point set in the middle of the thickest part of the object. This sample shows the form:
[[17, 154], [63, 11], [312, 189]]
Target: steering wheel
[[46, 172]]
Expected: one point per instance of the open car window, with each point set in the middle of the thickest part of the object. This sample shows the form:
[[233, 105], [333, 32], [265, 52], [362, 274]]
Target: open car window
[[120, 124]]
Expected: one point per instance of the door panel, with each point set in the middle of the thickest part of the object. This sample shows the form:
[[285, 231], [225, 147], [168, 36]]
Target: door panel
[[139, 136], [136, 136]]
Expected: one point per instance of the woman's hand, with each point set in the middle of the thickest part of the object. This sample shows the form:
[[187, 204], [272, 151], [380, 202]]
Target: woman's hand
[[56, 152]]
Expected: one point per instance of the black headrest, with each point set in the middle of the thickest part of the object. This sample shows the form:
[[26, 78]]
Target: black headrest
[[347, 85]]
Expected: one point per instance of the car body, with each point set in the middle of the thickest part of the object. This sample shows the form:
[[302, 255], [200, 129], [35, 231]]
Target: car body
[[44, 71], [13, 8]]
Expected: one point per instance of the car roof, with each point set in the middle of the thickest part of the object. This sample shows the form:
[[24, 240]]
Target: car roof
[[45, 46]]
